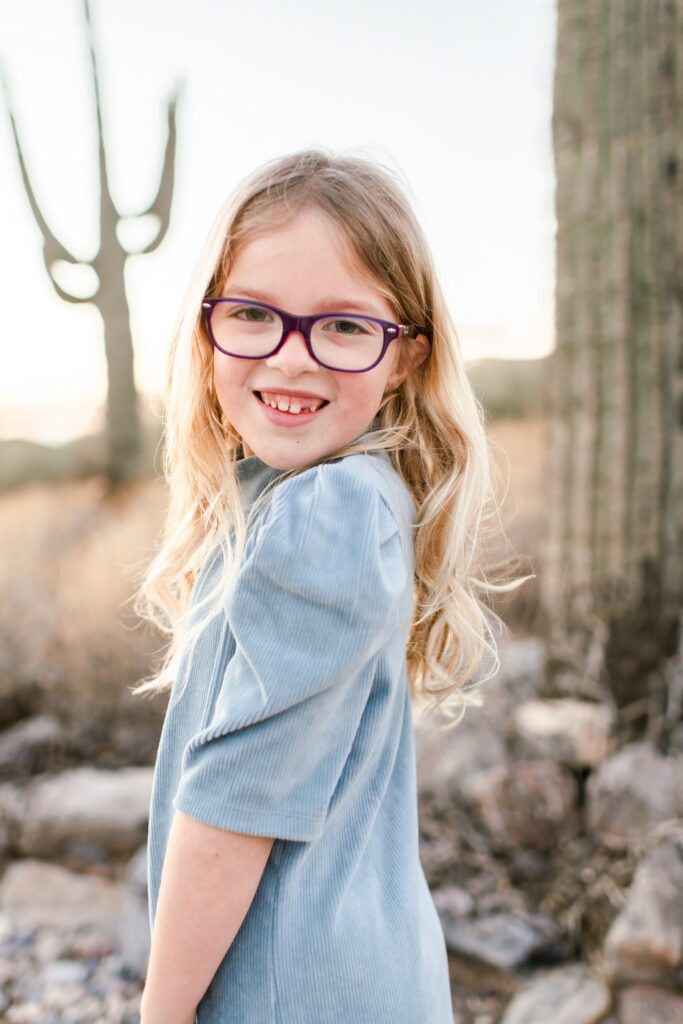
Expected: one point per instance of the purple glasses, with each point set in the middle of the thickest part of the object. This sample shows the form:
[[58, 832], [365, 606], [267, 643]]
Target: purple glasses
[[338, 341]]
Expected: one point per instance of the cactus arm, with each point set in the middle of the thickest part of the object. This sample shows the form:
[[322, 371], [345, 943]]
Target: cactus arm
[[106, 204], [161, 205]]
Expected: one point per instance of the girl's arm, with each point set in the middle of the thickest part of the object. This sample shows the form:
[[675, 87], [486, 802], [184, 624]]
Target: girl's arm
[[209, 878]]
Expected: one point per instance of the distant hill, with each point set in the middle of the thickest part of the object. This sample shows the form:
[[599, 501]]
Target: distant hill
[[23, 462], [507, 388]]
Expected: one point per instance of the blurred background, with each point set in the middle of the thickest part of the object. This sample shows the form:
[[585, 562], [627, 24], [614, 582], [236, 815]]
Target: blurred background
[[540, 144]]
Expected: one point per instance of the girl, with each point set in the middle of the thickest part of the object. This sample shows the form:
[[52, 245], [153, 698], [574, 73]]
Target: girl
[[328, 470]]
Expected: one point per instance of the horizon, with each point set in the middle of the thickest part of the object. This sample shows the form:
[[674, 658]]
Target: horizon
[[147, 399]]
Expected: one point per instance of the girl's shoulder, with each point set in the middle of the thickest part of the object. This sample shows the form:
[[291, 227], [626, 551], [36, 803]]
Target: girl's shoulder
[[347, 485], [338, 510]]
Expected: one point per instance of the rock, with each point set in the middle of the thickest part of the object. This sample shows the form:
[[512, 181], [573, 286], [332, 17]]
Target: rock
[[64, 972], [632, 791], [645, 942], [451, 901], [133, 935], [565, 995], [107, 807], [31, 745], [136, 871], [92, 944], [505, 941], [437, 854], [51, 945], [527, 803], [33, 1013], [643, 1004], [522, 670], [11, 811], [449, 760], [35, 894], [84, 852], [448, 763], [574, 732]]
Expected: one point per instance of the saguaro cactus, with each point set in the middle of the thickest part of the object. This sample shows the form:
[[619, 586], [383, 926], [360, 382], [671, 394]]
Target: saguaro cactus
[[123, 422], [612, 581]]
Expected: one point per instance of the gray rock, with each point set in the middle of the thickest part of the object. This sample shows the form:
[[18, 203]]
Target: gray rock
[[133, 935], [136, 871], [643, 1004], [530, 804], [451, 901], [632, 791], [34, 1012], [83, 852], [51, 945], [573, 732], [12, 808], [64, 972], [30, 745], [34, 894], [522, 669], [108, 807], [645, 942], [500, 940], [448, 760], [565, 995], [448, 763]]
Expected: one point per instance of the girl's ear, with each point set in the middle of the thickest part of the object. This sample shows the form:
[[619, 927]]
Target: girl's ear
[[413, 352]]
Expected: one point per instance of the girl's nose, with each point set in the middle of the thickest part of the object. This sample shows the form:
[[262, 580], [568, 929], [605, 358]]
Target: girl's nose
[[293, 357]]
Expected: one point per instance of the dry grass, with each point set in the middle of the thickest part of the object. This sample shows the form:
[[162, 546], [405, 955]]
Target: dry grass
[[67, 637]]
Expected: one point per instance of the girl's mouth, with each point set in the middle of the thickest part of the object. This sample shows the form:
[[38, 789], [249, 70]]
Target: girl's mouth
[[286, 417]]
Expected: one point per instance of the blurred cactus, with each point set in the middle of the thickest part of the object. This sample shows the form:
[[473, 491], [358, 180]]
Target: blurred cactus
[[123, 418], [613, 560]]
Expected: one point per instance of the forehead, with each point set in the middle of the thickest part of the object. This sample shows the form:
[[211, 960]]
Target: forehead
[[303, 261], [306, 236]]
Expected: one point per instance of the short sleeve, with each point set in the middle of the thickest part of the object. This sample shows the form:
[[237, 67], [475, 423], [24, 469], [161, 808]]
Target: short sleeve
[[318, 593]]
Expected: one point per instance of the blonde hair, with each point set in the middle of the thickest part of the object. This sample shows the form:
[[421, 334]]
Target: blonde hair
[[432, 425]]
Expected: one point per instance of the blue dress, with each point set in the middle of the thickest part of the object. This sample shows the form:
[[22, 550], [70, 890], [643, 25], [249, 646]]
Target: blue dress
[[296, 723]]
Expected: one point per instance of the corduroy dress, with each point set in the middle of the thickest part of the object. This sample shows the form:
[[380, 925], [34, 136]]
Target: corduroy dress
[[296, 723]]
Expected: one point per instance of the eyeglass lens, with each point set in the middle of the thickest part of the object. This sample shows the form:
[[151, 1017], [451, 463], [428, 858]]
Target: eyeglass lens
[[343, 343]]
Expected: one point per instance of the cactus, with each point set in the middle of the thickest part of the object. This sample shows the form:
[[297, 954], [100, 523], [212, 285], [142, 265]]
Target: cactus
[[613, 561], [122, 419]]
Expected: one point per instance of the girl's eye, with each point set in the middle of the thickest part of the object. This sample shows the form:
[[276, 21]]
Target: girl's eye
[[342, 326], [252, 314]]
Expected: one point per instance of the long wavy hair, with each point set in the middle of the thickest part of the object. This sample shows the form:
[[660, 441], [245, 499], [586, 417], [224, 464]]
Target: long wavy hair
[[432, 425]]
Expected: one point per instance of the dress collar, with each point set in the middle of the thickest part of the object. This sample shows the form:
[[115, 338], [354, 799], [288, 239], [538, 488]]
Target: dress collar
[[254, 475]]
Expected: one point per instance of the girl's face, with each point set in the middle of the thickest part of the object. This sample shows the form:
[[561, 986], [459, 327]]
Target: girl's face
[[304, 268]]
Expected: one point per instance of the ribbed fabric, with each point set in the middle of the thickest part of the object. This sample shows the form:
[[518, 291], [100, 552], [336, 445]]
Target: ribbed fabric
[[296, 723]]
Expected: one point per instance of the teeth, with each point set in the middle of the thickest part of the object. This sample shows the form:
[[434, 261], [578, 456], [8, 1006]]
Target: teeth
[[293, 406]]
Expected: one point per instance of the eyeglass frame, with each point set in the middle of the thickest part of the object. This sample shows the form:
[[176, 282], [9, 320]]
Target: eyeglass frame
[[303, 324]]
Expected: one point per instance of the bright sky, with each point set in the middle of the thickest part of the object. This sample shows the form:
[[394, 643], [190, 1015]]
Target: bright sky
[[456, 96]]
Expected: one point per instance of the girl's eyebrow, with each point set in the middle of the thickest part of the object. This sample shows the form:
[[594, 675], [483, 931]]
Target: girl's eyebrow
[[325, 305]]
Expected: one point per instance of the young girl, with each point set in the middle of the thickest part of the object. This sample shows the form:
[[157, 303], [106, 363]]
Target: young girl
[[328, 469]]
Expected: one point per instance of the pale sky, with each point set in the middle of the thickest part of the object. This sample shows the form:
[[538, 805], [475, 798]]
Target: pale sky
[[456, 96]]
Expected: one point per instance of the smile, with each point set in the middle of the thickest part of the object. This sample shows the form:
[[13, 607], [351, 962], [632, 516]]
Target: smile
[[292, 414]]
